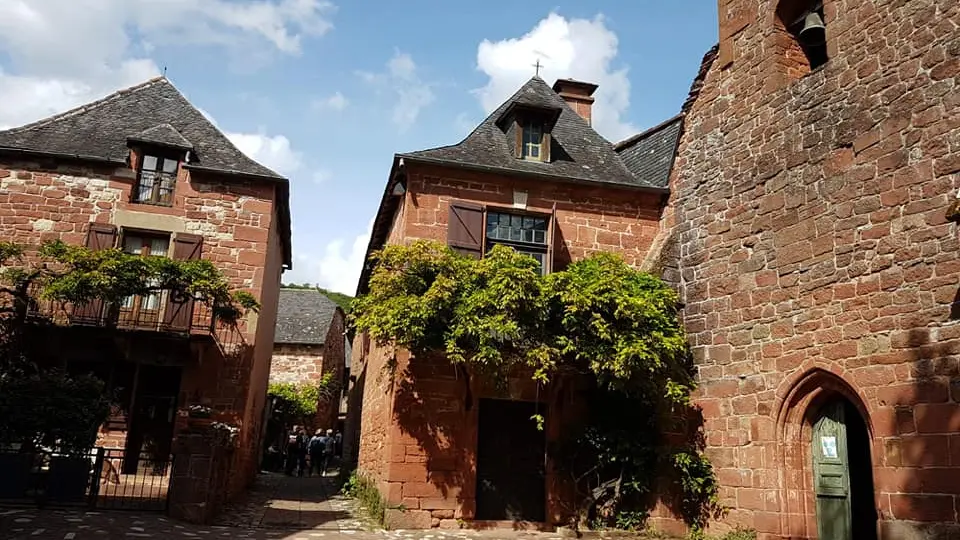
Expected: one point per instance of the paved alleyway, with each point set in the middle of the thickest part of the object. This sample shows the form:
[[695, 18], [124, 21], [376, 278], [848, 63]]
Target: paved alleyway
[[277, 508]]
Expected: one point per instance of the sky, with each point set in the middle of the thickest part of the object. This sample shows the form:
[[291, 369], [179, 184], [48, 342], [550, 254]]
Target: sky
[[325, 92]]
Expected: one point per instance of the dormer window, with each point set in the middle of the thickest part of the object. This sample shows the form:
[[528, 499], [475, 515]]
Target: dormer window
[[532, 143], [156, 180]]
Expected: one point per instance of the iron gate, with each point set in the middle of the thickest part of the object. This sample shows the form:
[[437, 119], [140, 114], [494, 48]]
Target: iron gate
[[102, 478]]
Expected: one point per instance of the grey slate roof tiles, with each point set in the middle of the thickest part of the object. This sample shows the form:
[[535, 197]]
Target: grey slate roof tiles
[[581, 155], [101, 129], [649, 155], [303, 316], [164, 135]]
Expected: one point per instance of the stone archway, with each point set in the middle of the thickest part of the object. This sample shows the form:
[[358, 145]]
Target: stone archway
[[800, 407]]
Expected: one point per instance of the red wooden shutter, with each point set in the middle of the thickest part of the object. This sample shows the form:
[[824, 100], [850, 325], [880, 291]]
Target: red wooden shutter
[[551, 239], [465, 228], [100, 236], [178, 313]]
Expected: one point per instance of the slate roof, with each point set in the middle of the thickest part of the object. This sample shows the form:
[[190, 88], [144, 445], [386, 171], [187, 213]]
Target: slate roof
[[303, 316], [649, 155], [164, 135], [584, 155], [100, 130]]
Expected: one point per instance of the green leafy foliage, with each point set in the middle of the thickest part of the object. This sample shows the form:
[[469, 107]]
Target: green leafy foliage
[[343, 300], [365, 491], [295, 402], [52, 409], [40, 407], [599, 319]]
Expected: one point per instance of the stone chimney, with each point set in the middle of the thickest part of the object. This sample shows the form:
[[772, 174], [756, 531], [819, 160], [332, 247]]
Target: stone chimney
[[577, 94]]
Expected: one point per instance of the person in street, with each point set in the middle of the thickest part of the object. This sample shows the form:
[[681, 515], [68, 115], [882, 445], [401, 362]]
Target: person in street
[[316, 445], [293, 453], [338, 443], [329, 447], [302, 442]]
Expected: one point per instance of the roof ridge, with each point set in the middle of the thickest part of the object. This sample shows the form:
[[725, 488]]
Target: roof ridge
[[633, 139], [86, 107]]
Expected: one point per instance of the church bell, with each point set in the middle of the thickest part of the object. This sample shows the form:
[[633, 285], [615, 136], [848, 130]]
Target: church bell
[[814, 32]]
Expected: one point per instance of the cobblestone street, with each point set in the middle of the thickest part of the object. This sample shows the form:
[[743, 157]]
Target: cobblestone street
[[277, 508]]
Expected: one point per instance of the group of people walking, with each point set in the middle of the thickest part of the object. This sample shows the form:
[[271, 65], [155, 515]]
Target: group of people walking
[[311, 453]]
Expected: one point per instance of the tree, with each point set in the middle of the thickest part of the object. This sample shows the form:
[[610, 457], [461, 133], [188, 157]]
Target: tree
[[599, 320], [342, 300], [77, 275]]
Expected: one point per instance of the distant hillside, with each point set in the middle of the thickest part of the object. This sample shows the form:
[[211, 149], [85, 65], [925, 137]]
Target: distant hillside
[[342, 300]]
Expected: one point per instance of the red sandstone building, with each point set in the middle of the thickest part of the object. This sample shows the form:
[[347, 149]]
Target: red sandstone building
[[820, 271], [534, 175], [143, 171]]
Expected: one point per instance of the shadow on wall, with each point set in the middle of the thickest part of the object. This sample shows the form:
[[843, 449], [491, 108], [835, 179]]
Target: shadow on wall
[[433, 406], [920, 453]]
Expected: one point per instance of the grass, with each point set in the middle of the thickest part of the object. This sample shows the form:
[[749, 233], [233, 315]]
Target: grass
[[366, 493]]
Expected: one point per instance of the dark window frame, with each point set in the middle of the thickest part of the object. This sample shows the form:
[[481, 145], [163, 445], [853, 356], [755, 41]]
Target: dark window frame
[[527, 248], [137, 309], [163, 183]]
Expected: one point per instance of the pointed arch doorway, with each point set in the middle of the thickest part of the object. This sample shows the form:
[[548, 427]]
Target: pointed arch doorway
[[842, 473], [826, 441]]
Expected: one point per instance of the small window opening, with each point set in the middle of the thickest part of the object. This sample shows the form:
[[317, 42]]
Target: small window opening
[[157, 179], [803, 37], [532, 143]]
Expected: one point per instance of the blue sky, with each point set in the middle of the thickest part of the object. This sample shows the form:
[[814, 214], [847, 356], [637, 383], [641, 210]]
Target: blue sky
[[326, 93]]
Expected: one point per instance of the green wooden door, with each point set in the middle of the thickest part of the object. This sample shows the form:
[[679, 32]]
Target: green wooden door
[[832, 474]]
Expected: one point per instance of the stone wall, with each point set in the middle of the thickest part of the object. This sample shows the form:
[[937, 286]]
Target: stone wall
[[590, 219], [816, 257], [296, 363], [334, 362]]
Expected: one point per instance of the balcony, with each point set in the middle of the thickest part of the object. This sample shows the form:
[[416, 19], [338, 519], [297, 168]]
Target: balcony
[[157, 313]]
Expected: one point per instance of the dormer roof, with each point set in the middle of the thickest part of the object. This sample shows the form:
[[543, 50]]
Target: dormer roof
[[583, 156]]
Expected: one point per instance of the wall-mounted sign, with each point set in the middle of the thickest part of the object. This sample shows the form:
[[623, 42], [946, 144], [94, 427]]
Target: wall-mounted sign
[[829, 447]]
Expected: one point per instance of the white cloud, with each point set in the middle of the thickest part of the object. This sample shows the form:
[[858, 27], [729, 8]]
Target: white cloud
[[337, 269], [336, 102], [402, 80], [63, 53], [581, 49], [274, 152]]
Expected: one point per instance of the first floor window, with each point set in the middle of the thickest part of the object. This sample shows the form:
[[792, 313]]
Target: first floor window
[[526, 234], [157, 179], [144, 245]]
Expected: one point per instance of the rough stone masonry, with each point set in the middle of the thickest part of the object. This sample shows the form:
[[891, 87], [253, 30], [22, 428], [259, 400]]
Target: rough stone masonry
[[817, 258]]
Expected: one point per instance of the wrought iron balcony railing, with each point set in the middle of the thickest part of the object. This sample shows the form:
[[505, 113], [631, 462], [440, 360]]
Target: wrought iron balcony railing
[[160, 312]]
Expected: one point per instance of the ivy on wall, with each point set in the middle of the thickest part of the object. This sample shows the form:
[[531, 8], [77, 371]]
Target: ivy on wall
[[598, 319]]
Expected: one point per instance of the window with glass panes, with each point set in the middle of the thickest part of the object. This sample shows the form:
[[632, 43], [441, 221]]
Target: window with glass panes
[[144, 245], [532, 141], [158, 176], [526, 234]]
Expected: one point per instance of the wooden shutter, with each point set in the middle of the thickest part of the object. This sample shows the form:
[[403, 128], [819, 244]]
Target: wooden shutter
[[519, 143], [178, 313], [551, 239], [465, 228], [100, 236]]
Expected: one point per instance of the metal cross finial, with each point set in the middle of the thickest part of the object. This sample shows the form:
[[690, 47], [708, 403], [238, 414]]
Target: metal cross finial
[[164, 71], [538, 65]]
